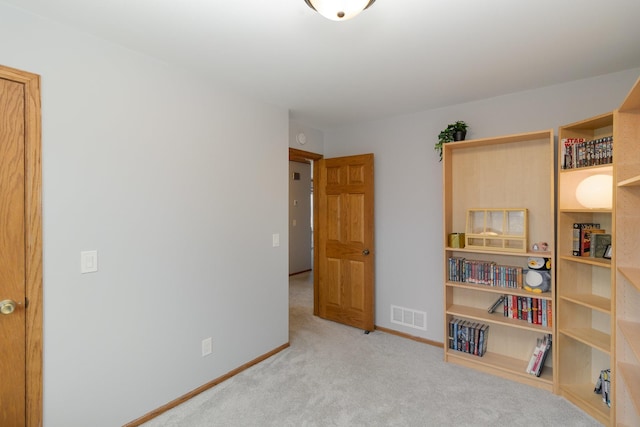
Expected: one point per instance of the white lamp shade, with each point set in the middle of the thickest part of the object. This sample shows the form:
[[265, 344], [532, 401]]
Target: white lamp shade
[[339, 10], [595, 192]]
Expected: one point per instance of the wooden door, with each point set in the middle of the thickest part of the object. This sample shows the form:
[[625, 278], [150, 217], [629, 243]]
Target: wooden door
[[345, 241], [20, 250]]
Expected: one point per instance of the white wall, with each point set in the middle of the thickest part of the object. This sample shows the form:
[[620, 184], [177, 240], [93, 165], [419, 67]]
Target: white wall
[[299, 218], [408, 179], [138, 163]]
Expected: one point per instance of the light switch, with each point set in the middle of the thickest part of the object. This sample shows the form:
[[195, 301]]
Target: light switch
[[295, 222], [88, 261], [276, 240]]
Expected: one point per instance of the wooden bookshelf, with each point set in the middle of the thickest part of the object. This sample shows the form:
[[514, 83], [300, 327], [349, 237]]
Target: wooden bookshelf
[[627, 258], [585, 285], [472, 180]]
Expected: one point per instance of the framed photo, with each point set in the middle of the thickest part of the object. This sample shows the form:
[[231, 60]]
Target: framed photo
[[607, 252]]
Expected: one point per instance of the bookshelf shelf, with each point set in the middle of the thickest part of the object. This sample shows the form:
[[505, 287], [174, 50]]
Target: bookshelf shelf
[[502, 253], [470, 184], [591, 337], [631, 182], [632, 275], [499, 290], [584, 210], [508, 367], [585, 285], [631, 332], [496, 318], [627, 255], [590, 301], [599, 262], [631, 375], [585, 398]]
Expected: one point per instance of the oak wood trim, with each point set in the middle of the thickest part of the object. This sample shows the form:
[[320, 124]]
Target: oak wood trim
[[164, 408], [410, 337], [299, 160], [301, 154], [33, 239]]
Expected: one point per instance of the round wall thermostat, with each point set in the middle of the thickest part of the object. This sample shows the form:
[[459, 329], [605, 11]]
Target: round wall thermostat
[[301, 138]]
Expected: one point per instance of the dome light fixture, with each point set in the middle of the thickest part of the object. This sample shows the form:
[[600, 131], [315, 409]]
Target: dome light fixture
[[339, 10]]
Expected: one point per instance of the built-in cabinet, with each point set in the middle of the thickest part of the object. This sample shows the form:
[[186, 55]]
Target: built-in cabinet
[[627, 260], [499, 176]]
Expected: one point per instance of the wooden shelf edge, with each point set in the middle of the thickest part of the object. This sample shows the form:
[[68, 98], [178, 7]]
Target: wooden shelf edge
[[546, 254], [584, 210], [631, 376], [583, 396], [499, 290], [506, 139], [504, 366], [632, 101], [632, 274], [590, 337], [631, 182], [596, 122], [495, 318], [606, 168], [591, 301], [599, 262], [631, 332]]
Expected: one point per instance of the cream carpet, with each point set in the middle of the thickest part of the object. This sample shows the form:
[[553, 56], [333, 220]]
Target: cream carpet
[[334, 375]]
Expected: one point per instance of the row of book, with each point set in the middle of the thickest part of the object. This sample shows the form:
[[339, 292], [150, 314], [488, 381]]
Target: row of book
[[539, 355], [484, 273], [589, 240], [537, 311], [580, 153], [468, 337]]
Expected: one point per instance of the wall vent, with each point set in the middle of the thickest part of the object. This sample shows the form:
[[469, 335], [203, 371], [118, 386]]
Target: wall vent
[[408, 317]]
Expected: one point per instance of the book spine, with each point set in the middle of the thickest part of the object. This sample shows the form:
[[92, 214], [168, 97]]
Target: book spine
[[546, 351], [534, 356], [577, 248]]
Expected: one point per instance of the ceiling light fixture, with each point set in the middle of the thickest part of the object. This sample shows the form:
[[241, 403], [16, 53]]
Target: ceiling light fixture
[[339, 10]]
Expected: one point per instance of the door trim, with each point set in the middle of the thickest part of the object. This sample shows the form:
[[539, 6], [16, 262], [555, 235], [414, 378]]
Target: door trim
[[33, 239], [297, 155]]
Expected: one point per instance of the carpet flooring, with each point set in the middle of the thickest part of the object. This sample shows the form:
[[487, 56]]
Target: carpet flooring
[[334, 375]]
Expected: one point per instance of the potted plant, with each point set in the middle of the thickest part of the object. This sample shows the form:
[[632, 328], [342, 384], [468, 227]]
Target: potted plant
[[453, 132]]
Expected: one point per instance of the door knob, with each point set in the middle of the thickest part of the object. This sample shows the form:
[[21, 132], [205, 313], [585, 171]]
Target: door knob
[[365, 252], [7, 306]]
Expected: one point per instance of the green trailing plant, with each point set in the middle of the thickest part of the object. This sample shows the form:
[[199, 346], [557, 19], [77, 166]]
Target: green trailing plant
[[453, 132]]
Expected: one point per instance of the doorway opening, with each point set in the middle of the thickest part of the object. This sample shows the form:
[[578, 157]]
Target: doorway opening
[[311, 159]]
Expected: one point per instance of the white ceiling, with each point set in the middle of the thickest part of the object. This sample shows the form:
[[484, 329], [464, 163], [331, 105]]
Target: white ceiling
[[398, 56]]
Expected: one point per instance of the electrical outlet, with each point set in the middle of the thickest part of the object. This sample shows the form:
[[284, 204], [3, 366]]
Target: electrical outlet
[[207, 345]]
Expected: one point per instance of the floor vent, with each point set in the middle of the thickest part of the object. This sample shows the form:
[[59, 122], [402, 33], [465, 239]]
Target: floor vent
[[407, 317]]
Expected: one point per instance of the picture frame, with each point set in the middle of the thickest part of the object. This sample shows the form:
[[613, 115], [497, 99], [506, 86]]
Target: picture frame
[[607, 252]]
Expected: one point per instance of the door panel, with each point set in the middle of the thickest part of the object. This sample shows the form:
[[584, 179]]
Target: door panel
[[12, 254], [333, 218], [20, 249], [346, 246]]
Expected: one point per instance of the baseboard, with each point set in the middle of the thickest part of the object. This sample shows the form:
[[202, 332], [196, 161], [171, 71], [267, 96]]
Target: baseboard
[[164, 408], [410, 337]]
